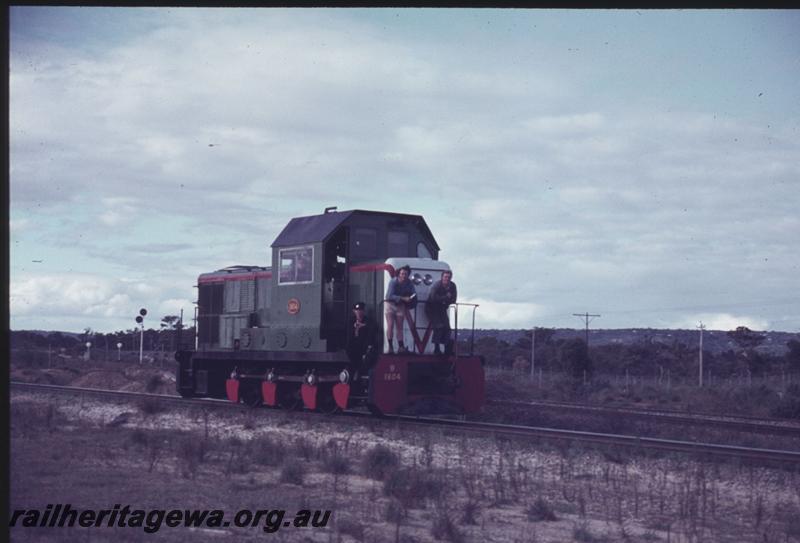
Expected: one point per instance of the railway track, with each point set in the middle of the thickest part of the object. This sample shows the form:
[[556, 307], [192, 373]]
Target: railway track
[[729, 422], [509, 430]]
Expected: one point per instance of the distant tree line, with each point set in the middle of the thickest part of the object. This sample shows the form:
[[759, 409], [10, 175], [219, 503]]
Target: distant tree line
[[642, 358], [571, 355], [168, 337]]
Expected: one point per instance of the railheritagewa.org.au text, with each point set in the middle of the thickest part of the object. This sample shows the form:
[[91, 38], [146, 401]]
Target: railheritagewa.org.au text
[[152, 520]]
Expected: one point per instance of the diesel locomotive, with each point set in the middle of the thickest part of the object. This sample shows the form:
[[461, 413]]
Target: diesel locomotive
[[276, 335]]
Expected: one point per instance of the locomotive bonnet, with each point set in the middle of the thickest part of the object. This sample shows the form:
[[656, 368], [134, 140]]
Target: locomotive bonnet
[[278, 335]]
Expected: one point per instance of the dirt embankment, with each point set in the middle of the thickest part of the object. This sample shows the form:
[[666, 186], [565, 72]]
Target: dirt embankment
[[111, 376]]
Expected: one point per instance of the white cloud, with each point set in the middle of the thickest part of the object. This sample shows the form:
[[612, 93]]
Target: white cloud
[[16, 226], [120, 210], [493, 314], [80, 300], [721, 321], [569, 125], [82, 294]]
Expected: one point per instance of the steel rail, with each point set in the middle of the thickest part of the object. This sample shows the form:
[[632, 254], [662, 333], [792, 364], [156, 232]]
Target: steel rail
[[613, 439], [733, 422], [557, 403], [125, 394], [476, 427]]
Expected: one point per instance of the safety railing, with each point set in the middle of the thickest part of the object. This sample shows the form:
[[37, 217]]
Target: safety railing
[[455, 307], [452, 309]]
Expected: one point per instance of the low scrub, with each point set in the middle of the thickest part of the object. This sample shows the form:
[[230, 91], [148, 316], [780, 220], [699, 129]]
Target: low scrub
[[152, 406], [268, 451], [335, 462], [380, 461], [445, 529], [411, 487], [293, 473], [540, 511]]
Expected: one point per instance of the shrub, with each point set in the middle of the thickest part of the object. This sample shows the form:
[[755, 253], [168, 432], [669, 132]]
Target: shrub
[[380, 461], [787, 408], [190, 455], [153, 383], [411, 486], [351, 527], [151, 406], [582, 534], [470, 511], [789, 405], [793, 527], [139, 437], [305, 448], [395, 512], [25, 418], [268, 451], [335, 462], [239, 455], [540, 511], [444, 528], [293, 473]]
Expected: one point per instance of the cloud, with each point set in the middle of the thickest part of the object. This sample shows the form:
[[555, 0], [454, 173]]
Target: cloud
[[721, 321], [18, 225], [493, 314], [156, 247], [570, 125], [119, 211], [79, 300], [186, 143], [82, 294]]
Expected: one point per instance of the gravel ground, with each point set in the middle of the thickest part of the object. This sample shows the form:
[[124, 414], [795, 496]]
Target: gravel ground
[[440, 486]]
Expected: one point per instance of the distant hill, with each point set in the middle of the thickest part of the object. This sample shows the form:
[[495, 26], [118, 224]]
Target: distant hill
[[715, 341], [46, 333]]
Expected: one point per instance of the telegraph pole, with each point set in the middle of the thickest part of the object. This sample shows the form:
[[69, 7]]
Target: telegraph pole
[[587, 318], [533, 346], [700, 377]]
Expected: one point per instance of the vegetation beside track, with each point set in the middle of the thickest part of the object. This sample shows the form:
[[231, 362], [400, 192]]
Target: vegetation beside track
[[382, 482]]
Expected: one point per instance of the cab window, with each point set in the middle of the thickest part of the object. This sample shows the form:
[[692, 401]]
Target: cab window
[[296, 265]]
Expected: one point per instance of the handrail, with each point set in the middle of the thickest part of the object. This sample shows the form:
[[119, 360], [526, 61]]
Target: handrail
[[455, 305], [472, 335]]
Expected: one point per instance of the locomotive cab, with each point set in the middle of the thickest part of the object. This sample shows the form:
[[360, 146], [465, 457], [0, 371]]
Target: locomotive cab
[[314, 286]]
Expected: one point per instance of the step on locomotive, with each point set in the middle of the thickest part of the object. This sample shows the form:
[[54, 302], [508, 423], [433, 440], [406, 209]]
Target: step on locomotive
[[276, 335]]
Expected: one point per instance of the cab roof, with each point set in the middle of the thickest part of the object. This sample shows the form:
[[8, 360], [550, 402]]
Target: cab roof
[[318, 228]]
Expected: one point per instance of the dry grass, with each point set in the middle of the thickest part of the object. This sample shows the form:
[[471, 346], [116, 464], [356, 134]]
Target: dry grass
[[379, 462], [397, 486]]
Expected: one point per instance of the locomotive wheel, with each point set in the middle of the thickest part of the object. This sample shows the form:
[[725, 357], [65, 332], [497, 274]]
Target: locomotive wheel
[[374, 410], [292, 404], [327, 404], [289, 397], [250, 394]]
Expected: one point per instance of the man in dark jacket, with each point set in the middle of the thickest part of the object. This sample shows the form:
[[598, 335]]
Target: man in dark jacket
[[362, 335], [442, 294]]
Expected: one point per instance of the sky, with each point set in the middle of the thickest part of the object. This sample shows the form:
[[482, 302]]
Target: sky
[[641, 166]]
